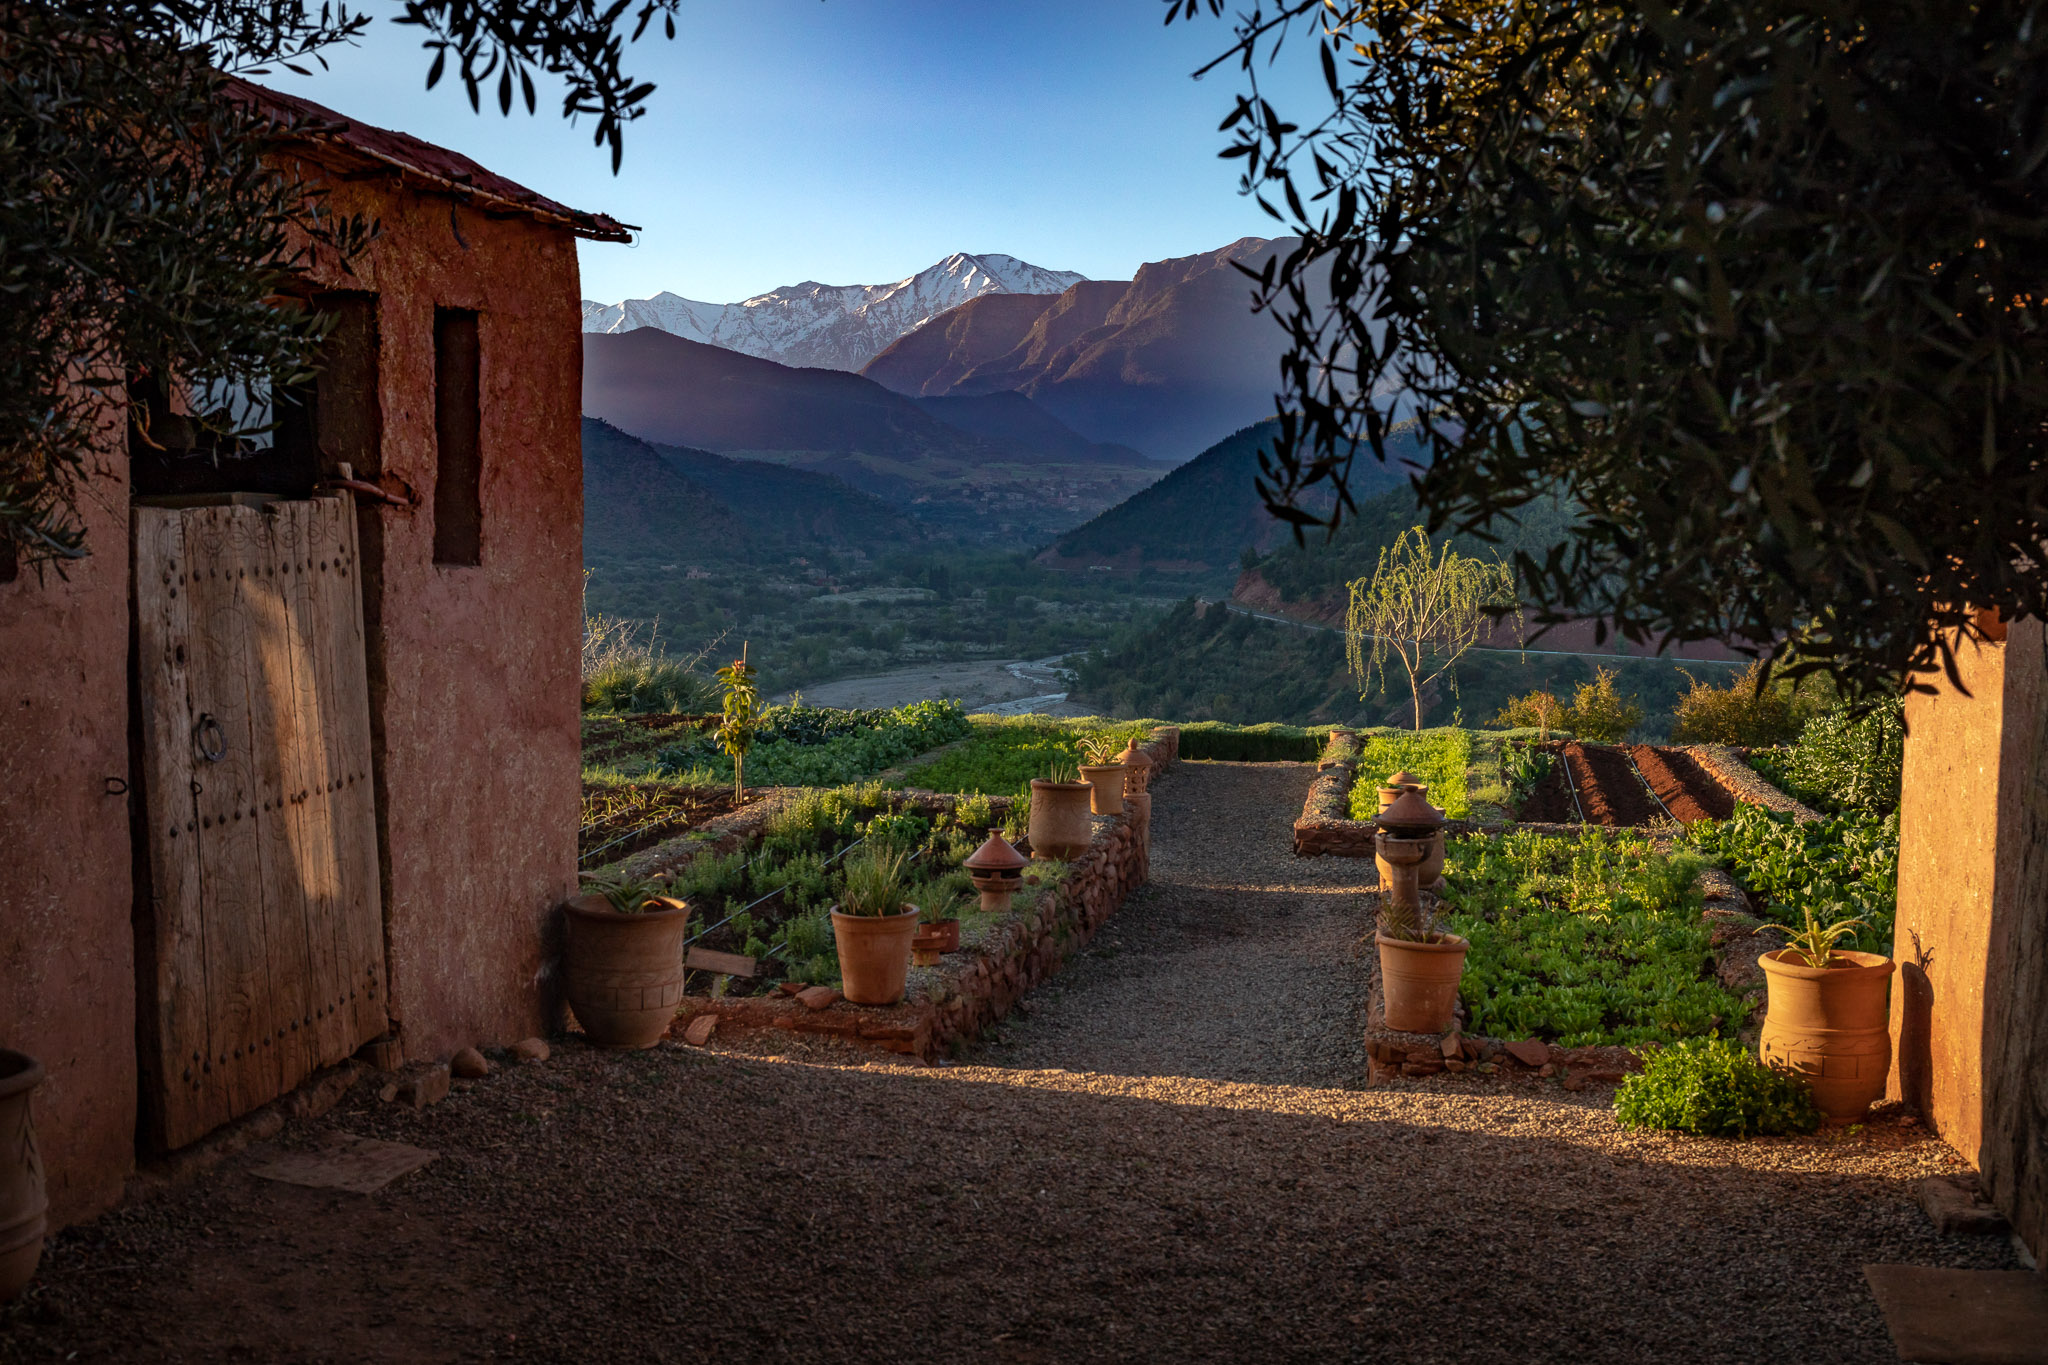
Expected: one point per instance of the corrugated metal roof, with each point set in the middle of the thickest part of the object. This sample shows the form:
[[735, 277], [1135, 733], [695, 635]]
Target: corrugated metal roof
[[451, 172]]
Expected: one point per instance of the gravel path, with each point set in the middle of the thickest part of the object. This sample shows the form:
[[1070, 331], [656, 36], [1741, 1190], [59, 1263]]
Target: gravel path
[[1171, 1158]]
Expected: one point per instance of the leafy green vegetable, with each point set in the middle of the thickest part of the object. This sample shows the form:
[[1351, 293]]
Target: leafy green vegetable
[[1717, 1088], [806, 750], [1596, 940], [1439, 757], [1842, 868]]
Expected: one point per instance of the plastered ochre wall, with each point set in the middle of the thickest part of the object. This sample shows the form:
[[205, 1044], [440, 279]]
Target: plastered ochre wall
[[1970, 1009], [1948, 843], [474, 670], [67, 970]]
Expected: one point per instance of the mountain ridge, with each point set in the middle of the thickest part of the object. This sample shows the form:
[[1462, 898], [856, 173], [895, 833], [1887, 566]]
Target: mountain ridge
[[823, 326]]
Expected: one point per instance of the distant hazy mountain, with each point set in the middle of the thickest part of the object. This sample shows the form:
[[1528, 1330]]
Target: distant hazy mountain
[[664, 388], [1170, 362], [835, 327], [691, 506], [1201, 517]]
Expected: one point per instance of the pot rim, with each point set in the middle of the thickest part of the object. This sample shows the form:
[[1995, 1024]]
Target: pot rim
[[908, 910], [1102, 767], [1038, 782], [602, 910], [1784, 962], [1448, 944], [19, 1073]]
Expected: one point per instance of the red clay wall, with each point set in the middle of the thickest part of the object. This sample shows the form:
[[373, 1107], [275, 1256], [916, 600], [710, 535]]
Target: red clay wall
[[1948, 821], [67, 974], [1970, 1009], [474, 670], [474, 700]]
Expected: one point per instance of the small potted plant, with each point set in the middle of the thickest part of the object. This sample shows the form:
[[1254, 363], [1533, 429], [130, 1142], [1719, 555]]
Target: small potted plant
[[623, 961], [873, 927], [1102, 772], [1827, 1019], [1060, 806]]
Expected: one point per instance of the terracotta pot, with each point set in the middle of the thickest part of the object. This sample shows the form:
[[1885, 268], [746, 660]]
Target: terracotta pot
[[1059, 819], [1420, 982], [1108, 781], [1137, 768], [874, 954], [933, 941], [1830, 1025], [624, 973], [22, 1203]]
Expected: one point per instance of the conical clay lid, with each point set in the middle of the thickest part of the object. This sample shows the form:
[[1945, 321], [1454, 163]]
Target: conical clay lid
[[995, 856], [1410, 811]]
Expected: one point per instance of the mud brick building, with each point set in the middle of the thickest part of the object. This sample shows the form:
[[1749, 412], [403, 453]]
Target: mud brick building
[[286, 763]]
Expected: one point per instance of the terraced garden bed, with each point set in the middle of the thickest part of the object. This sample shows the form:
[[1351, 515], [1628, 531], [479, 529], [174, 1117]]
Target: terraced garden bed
[[624, 818]]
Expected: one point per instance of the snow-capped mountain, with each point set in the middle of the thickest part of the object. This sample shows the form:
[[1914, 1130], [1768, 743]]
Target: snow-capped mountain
[[830, 326]]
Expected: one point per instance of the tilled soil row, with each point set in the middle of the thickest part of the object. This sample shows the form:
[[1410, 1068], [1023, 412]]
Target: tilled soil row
[[1611, 793], [1687, 789]]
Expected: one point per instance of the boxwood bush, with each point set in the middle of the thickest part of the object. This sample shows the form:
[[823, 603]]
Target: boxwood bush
[[1715, 1088]]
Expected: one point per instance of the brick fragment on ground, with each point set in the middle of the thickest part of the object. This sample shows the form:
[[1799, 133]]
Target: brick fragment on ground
[[420, 1089], [1956, 1204], [530, 1050], [817, 997], [1530, 1051], [789, 987], [700, 1029], [1453, 1046]]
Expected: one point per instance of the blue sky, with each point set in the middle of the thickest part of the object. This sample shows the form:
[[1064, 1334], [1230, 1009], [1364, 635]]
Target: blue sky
[[857, 141]]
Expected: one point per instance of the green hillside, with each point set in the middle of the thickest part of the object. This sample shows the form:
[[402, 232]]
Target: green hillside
[[1201, 517]]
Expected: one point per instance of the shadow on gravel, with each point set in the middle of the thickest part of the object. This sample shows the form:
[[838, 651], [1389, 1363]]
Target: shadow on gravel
[[683, 1206]]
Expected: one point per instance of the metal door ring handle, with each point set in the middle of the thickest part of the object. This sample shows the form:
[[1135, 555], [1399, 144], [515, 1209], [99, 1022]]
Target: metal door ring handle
[[215, 749]]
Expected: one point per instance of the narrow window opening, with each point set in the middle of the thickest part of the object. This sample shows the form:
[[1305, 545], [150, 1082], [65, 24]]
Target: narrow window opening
[[458, 420]]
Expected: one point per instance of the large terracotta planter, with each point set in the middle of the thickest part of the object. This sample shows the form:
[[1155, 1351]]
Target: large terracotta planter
[[1830, 1025], [21, 1174], [1107, 782], [1059, 819], [1420, 982], [623, 974], [874, 955]]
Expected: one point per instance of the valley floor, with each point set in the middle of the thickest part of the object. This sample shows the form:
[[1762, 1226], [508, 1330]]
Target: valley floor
[[1171, 1155], [983, 686]]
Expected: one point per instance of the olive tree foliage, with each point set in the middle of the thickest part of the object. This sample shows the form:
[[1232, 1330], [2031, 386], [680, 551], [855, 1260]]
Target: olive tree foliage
[[1758, 285], [1425, 605], [148, 226]]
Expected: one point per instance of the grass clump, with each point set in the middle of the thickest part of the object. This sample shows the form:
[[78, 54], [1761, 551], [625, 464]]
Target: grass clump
[[1715, 1088], [1595, 940], [1439, 757], [627, 672]]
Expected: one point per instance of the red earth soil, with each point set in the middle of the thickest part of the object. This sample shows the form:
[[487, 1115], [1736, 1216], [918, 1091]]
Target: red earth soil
[[1688, 789], [1609, 790]]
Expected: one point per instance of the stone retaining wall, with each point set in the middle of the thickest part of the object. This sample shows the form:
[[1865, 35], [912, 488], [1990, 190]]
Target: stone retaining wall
[[946, 1007], [1745, 783]]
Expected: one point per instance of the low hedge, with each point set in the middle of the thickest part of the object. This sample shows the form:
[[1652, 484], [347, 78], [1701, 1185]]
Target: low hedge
[[1269, 743]]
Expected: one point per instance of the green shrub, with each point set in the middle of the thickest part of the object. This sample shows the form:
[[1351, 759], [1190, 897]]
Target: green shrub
[[1716, 1088], [1438, 757], [1842, 868], [1252, 743], [1595, 940], [1741, 713], [1599, 713], [1539, 711], [1848, 762]]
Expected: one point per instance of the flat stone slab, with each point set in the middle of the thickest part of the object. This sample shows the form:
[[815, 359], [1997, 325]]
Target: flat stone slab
[[1962, 1317], [346, 1162]]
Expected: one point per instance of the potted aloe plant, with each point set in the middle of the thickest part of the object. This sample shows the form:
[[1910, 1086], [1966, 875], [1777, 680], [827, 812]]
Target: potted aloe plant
[[1103, 773], [1828, 1016], [873, 927], [1060, 805], [623, 960]]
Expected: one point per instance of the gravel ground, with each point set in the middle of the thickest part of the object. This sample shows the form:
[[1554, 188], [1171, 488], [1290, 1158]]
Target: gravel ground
[[1171, 1157]]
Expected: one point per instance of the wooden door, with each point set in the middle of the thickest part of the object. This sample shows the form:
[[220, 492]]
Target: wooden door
[[268, 922]]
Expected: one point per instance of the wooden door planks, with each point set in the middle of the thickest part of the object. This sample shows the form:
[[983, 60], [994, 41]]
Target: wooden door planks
[[187, 1102], [269, 922]]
